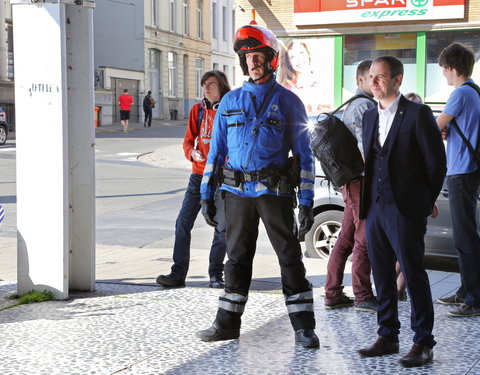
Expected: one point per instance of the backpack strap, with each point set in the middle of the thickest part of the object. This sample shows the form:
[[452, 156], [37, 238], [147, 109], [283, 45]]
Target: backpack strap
[[473, 86], [201, 110], [473, 151], [351, 100]]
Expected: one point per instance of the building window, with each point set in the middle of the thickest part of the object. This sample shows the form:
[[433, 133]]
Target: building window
[[154, 12], [154, 66], [200, 19], [224, 23], [186, 18], [172, 74], [214, 21], [233, 23], [172, 14], [215, 66], [225, 70], [185, 76], [154, 59], [437, 89], [198, 77]]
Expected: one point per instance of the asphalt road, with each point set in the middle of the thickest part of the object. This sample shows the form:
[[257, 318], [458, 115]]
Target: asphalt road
[[140, 182]]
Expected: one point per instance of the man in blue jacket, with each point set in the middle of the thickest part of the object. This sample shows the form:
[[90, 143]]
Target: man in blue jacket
[[256, 127]]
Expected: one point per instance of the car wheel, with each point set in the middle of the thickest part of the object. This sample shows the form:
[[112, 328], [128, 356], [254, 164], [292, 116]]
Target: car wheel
[[321, 239], [3, 135]]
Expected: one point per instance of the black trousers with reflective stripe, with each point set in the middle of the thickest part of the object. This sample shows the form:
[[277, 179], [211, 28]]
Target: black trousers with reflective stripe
[[242, 219]]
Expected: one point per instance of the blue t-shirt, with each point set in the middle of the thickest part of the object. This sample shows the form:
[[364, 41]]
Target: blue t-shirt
[[464, 105]]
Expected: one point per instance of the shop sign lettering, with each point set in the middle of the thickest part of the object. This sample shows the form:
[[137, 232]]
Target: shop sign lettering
[[351, 4]]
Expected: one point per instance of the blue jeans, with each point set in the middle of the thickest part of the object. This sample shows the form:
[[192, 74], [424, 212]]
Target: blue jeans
[[183, 227], [463, 195]]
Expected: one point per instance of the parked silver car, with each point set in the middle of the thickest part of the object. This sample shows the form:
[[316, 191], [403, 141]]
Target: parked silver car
[[3, 127], [328, 210]]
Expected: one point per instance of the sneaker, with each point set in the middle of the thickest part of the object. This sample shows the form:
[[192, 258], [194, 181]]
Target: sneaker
[[170, 281], [344, 301], [368, 306], [452, 300], [465, 311], [217, 282]]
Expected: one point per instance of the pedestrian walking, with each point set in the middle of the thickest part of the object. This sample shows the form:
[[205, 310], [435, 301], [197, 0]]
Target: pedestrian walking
[[196, 146], [125, 102], [148, 105], [256, 127]]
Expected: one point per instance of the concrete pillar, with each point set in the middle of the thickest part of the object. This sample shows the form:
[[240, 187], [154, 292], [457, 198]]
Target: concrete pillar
[[54, 99], [3, 44]]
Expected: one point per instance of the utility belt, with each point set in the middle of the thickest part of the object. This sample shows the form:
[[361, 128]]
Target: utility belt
[[275, 178]]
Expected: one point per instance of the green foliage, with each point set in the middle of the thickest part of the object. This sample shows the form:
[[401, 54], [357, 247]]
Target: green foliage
[[31, 297]]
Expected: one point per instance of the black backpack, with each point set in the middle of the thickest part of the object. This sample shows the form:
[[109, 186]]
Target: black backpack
[[335, 146], [147, 103]]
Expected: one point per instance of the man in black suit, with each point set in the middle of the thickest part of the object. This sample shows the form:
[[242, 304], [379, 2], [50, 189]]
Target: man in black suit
[[405, 166]]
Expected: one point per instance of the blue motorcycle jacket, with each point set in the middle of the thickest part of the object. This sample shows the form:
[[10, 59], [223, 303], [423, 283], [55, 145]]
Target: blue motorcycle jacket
[[256, 127]]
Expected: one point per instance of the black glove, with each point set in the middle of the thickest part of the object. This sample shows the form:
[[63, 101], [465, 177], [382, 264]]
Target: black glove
[[208, 211], [305, 218]]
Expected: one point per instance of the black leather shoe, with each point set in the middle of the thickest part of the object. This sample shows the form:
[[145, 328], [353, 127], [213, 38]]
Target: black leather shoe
[[215, 333], [418, 355], [217, 282], [170, 281], [379, 348], [307, 337]]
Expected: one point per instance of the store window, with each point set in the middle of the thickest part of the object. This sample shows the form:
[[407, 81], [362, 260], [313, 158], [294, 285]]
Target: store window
[[362, 47], [307, 69], [437, 90]]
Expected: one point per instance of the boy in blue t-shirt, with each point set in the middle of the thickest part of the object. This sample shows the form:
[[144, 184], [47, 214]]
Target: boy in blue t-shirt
[[463, 107]]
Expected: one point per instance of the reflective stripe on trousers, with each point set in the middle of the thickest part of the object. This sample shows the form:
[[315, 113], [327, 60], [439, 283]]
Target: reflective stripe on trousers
[[233, 302], [299, 302]]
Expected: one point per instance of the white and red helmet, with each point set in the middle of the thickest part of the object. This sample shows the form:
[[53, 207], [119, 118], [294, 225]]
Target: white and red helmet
[[254, 38]]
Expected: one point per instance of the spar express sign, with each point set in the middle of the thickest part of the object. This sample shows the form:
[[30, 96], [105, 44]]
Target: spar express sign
[[318, 12]]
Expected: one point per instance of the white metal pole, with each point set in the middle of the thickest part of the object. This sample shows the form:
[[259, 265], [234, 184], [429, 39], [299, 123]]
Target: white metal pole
[[55, 145], [3, 43]]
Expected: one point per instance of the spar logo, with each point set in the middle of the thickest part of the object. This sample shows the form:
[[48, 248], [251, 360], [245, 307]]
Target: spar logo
[[419, 3], [416, 8]]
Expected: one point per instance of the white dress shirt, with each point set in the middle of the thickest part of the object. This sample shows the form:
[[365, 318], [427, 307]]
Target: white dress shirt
[[385, 119]]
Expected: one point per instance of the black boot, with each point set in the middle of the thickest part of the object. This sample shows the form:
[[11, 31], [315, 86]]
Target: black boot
[[307, 337], [170, 281], [215, 333]]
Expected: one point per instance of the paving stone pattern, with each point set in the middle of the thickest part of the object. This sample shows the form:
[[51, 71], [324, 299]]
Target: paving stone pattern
[[132, 329]]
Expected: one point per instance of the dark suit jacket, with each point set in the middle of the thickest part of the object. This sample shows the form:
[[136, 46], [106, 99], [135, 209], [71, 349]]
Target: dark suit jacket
[[416, 158]]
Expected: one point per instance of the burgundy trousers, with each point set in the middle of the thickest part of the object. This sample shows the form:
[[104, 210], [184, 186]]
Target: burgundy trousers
[[351, 241]]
